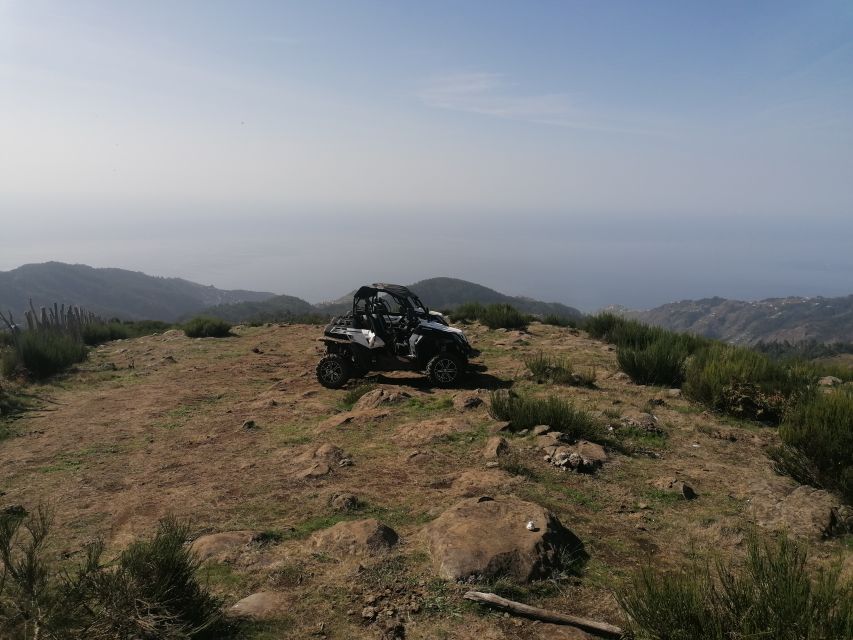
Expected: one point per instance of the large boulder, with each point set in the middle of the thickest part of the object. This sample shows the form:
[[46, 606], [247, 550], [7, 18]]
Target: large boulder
[[356, 537], [222, 546], [482, 538], [264, 605], [806, 512]]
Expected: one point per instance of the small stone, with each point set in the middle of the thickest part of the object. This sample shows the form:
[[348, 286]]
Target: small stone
[[499, 427], [523, 432], [541, 429], [496, 447], [829, 381], [674, 393], [249, 425], [492, 464], [368, 613], [256, 350]]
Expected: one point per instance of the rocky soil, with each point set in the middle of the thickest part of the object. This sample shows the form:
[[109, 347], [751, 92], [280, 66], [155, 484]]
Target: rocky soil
[[315, 520]]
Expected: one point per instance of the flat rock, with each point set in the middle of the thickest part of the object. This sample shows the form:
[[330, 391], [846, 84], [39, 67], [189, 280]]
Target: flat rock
[[221, 546], [641, 421], [829, 381], [264, 605], [540, 429], [355, 537], [481, 538], [806, 512], [378, 397], [500, 427], [467, 400], [496, 447], [344, 502]]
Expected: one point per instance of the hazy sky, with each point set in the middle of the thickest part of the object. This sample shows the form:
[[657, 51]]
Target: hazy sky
[[585, 152]]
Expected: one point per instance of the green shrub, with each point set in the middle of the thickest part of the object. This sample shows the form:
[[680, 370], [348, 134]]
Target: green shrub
[[100, 332], [206, 327], [467, 312], [601, 324], [545, 368], [771, 596], [560, 321], [821, 428], [494, 316], [661, 362], [149, 591], [525, 411], [503, 316], [556, 370], [42, 353], [746, 384]]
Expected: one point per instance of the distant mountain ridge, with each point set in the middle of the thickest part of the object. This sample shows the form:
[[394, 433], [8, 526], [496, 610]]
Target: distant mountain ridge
[[793, 319], [109, 292], [446, 293]]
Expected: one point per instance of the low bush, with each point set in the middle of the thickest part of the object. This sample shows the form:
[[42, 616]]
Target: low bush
[[42, 353], [661, 362], [206, 327], [467, 312], [821, 428], [771, 596], [745, 383], [503, 316], [149, 591], [557, 370], [525, 411], [100, 332], [545, 368], [560, 321]]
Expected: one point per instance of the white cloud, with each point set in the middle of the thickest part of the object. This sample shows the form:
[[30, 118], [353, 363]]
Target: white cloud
[[490, 94]]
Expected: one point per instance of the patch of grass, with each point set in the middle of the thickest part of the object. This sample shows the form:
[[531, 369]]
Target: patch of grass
[[821, 429], [12, 403], [636, 436], [771, 596], [206, 327], [354, 395], [525, 411], [662, 497], [421, 407]]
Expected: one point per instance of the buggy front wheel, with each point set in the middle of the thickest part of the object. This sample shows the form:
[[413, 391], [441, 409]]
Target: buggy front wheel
[[445, 369], [333, 371]]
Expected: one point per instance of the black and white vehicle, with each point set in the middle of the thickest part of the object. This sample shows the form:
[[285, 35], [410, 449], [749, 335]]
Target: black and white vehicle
[[390, 329]]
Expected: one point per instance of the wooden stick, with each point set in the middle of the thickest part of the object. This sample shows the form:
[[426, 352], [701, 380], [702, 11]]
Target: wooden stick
[[599, 628]]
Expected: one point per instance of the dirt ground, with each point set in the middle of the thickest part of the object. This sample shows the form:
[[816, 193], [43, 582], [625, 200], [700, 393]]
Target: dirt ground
[[155, 426]]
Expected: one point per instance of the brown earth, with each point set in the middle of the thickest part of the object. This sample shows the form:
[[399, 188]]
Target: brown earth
[[168, 432]]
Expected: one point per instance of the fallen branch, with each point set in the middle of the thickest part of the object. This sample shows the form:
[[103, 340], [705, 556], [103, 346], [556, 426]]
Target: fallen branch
[[599, 628]]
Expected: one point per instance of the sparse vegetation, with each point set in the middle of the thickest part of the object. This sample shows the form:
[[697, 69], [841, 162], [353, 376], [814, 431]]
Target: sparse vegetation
[[661, 362], [149, 591], [206, 327], [100, 332], [525, 411], [821, 429], [557, 369], [354, 395], [771, 596]]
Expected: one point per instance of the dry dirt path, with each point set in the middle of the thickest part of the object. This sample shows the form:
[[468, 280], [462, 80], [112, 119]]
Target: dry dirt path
[[155, 426]]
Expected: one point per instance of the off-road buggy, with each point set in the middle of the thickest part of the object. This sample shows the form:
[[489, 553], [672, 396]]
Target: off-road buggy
[[390, 329]]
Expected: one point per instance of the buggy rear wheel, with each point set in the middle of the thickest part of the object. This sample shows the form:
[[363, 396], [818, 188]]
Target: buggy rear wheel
[[445, 369], [333, 371]]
